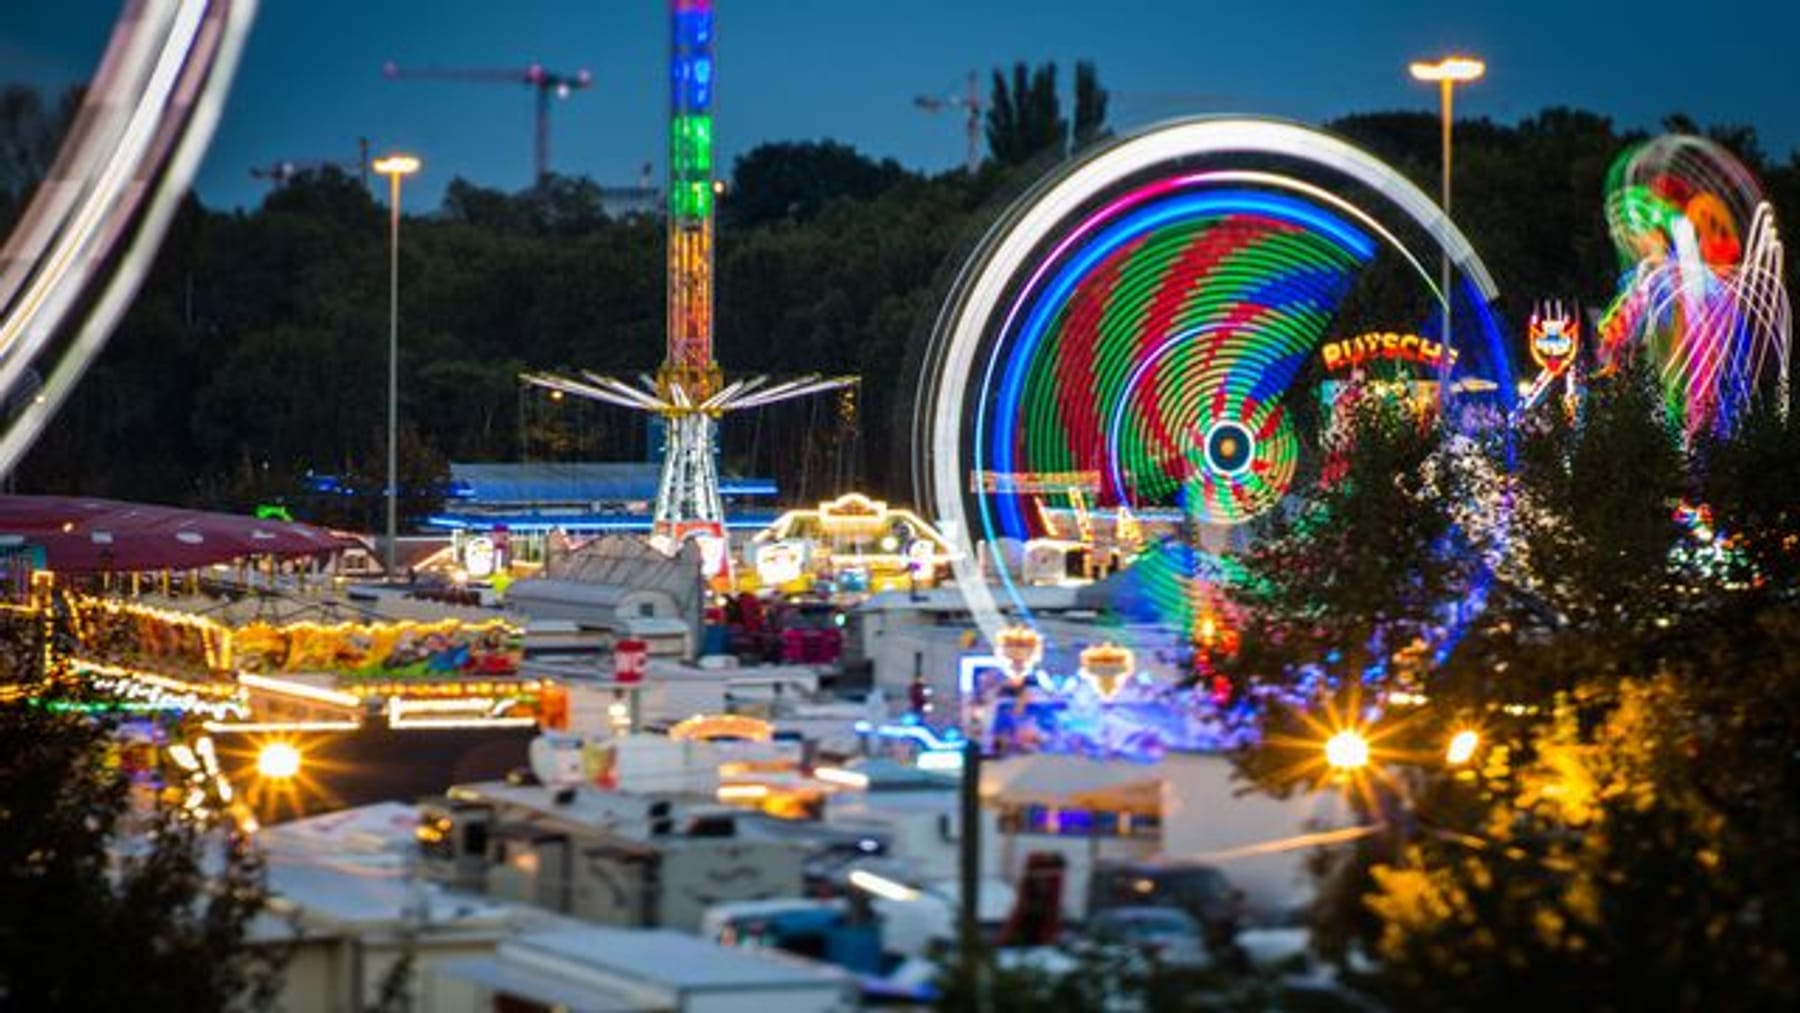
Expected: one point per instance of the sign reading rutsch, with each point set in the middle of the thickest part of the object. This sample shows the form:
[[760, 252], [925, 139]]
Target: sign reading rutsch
[[1365, 348]]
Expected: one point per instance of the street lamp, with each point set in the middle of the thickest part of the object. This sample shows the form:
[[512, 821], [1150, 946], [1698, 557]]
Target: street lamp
[[394, 167], [1448, 73]]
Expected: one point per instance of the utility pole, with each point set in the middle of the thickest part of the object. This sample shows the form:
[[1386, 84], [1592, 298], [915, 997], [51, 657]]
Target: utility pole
[[969, 853], [1447, 74], [395, 168]]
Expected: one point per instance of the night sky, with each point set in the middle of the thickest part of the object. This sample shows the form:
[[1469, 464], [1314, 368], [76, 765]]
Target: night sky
[[311, 81]]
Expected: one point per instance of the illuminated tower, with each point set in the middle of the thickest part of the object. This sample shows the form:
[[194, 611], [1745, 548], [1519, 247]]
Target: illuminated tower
[[690, 362], [689, 391]]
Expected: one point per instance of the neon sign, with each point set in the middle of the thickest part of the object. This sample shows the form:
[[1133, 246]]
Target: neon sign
[[1554, 337], [1106, 667], [1353, 352], [706, 727]]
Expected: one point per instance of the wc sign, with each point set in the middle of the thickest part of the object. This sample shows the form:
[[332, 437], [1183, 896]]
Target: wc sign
[[630, 658]]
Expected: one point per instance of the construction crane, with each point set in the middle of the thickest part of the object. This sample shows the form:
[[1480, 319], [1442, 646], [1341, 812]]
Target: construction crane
[[280, 173], [545, 83], [972, 103]]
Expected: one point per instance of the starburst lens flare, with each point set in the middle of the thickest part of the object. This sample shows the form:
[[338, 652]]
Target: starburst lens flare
[[278, 761], [1347, 750], [1462, 747]]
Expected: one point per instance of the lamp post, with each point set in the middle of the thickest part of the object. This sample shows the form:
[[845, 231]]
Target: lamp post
[[394, 167], [1448, 73]]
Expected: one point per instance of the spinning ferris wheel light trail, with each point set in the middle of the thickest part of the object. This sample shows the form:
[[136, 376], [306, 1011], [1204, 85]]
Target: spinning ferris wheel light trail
[[1150, 314]]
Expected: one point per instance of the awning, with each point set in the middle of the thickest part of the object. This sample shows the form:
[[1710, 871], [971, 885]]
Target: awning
[[85, 535]]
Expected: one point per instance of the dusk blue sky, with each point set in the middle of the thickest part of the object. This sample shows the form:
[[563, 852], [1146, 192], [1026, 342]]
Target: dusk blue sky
[[311, 81]]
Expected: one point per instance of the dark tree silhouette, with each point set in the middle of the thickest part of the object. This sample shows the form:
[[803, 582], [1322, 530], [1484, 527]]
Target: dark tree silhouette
[[1090, 106], [159, 925], [1024, 119]]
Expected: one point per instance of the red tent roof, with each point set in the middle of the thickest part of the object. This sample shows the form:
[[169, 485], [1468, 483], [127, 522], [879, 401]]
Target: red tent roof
[[83, 535]]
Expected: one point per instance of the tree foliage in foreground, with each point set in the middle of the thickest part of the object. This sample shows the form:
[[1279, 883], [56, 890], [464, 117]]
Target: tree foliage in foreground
[[104, 908], [1627, 836], [1355, 573]]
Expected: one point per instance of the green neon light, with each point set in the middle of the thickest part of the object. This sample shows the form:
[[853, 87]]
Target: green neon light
[[690, 145], [691, 200], [1276, 289], [101, 707]]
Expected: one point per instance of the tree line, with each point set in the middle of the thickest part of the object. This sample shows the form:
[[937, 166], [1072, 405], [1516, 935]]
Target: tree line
[[255, 355]]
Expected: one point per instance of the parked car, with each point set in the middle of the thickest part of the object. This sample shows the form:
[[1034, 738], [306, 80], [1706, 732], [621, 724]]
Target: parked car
[[1200, 890], [1169, 935]]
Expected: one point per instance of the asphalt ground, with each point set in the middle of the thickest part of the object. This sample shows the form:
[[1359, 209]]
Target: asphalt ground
[[339, 770]]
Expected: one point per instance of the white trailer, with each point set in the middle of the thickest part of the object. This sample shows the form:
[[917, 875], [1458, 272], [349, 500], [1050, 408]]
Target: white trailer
[[640, 969]]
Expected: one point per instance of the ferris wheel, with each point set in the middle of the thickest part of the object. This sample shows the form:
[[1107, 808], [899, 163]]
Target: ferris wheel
[[1167, 317]]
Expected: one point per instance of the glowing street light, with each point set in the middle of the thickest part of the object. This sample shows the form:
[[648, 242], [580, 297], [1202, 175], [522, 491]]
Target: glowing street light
[[1455, 69], [394, 167], [1462, 747], [881, 886], [397, 165], [1347, 750], [1448, 73], [742, 792], [840, 776], [278, 761]]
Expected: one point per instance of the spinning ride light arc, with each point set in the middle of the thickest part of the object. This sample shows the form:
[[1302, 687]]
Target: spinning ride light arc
[[1163, 348], [1146, 314], [1703, 288], [92, 229]]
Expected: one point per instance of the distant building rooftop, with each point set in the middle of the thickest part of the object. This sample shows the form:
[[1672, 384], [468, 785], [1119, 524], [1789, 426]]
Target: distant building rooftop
[[951, 600], [582, 806], [509, 486], [82, 534], [348, 871], [576, 497], [675, 959]]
